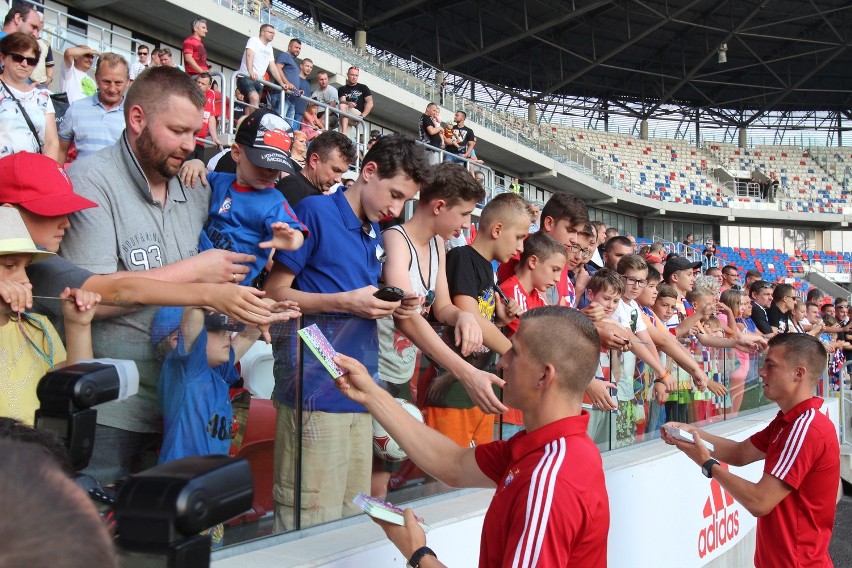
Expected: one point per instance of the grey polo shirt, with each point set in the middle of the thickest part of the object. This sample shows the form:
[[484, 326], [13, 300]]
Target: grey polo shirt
[[130, 231]]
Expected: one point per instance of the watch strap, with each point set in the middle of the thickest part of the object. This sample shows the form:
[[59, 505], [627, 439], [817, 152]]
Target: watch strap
[[707, 467], [414, 561]]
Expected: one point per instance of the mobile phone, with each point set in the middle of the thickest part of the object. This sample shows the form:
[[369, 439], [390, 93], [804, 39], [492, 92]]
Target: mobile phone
[[390, 294], [684, 436], [502, 295]]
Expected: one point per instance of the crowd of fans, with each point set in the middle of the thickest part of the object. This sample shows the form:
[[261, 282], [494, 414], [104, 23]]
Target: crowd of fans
[[279, 227]]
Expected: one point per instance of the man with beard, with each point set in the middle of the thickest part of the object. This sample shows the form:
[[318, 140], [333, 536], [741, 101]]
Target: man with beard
[[146, 219]]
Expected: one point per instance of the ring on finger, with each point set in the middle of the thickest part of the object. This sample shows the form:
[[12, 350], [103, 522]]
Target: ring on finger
[[234, 277]]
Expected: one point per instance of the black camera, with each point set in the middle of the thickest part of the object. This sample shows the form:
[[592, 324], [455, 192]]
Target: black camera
[[160, 511]]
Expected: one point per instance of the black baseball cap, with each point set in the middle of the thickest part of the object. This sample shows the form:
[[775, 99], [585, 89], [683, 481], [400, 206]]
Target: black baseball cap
[[266, 139], [678, 263]]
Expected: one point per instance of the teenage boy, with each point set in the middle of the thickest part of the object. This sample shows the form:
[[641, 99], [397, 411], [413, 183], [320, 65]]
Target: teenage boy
[[416, 263], [540, 268], [503, 227], [781, 310], [336, 272], [795, 499]]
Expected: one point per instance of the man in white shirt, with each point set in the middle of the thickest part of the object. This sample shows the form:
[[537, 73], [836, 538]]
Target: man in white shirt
[[258, 58], [75, 79]]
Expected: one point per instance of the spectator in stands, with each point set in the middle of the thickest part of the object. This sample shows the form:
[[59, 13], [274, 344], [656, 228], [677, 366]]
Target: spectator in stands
[[574, 503], [328, 158], [143, 52], [146, 220], [816, 296], [730, 277], [97, 121], [774, 184], [289, 70], [326, 93], [22, 18], [431, 131], [827, 309], [813, 323], [324, 278], [27, 121], [210, 124], [633, 246], [355, 98], [42, 75], [750, 277], [304, 86], [347, 180], [39, 497], [311, 123], [299, 150], [611, 232], [32, 344], [463, 139], [166, 59], [716, 273], [615, 249], [258, 59], [688, 240], [710, 253], [75, 79], [679, 273], [760, 293], [795, 500], [155, 58], [194, 52], [780, 312]]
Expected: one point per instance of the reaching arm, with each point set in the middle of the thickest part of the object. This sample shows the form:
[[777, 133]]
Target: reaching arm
[[433, 452], [492, 337], [64, 146], [758, 498]]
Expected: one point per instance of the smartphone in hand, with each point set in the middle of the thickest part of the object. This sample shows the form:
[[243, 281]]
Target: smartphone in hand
[[390, 294]]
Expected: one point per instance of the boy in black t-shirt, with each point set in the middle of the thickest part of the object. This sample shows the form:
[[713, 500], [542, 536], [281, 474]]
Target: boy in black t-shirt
[[503, 226]]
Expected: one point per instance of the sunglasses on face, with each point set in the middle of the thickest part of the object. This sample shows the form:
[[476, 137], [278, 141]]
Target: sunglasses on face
[[18, 58]]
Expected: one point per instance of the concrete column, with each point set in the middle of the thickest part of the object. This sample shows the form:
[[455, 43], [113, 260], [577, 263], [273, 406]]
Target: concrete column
[[360, 39], [643, 129], [743, 141], [439, 87], [532, 113]]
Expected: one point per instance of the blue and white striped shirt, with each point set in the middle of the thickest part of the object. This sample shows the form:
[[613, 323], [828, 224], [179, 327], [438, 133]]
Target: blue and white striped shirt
[[91, 126]]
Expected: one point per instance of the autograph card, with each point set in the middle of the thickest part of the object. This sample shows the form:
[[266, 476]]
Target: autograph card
[[320, 346]]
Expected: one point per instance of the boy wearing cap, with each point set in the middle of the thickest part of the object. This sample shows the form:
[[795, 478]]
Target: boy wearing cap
[[198, 351], [247, 213], [29, 343]]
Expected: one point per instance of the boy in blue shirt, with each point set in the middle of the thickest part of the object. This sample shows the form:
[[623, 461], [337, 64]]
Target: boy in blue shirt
[[247, 213]]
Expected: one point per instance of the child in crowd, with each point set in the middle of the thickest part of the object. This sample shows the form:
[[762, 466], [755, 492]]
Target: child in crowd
[[634, 271], [503, 226], [29, 344], [564, 217], [416, 263], [605, 289], [836, 356], [311, 123], [247, 213], [540, 268]]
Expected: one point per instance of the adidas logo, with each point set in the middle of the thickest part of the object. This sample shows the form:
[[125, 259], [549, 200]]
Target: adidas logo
[[722, 525]]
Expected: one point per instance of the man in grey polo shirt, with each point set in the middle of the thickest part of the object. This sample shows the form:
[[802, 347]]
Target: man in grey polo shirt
[[146, 219]]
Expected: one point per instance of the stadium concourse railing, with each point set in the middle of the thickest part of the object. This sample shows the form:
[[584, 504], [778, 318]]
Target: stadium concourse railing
[[291, 374]]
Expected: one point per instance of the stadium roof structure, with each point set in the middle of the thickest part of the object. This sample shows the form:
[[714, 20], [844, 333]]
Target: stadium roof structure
[[645, 59]]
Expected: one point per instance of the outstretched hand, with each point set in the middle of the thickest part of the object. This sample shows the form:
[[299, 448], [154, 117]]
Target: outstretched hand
[[408, 538], [284, 237], [356, 383]]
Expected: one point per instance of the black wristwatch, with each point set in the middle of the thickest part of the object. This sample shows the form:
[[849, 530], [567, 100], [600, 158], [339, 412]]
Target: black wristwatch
[[707, 467], [414, 561]]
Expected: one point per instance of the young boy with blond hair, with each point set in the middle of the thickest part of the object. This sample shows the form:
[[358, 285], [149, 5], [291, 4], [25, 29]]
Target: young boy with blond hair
[[539, 269], [503, 226]]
